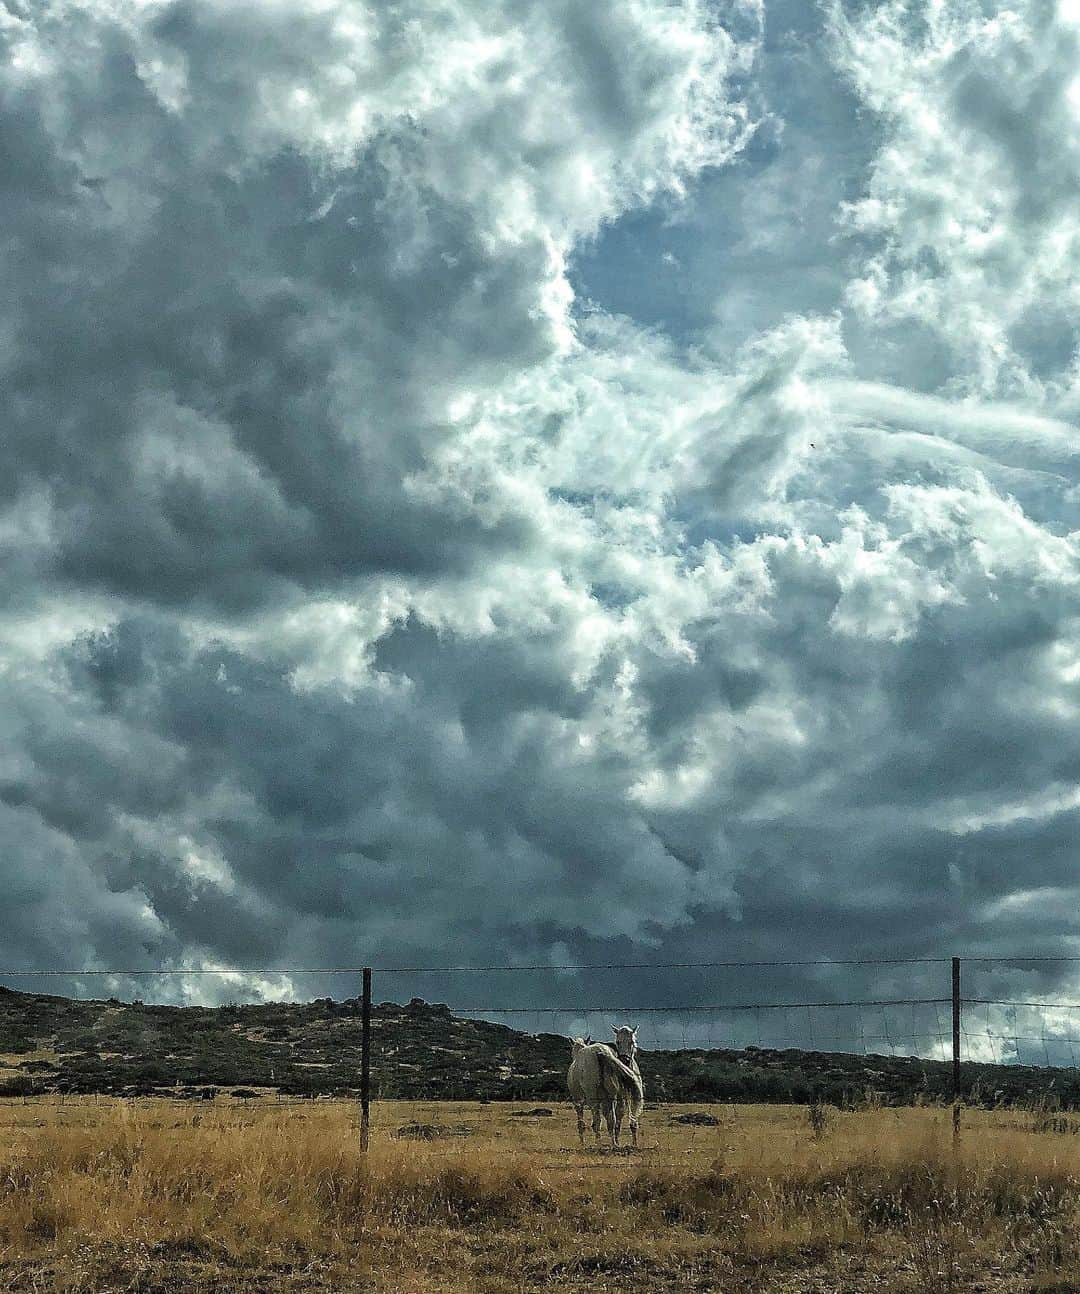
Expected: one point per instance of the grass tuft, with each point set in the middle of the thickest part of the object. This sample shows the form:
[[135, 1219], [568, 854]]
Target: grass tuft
[[141, 1188]]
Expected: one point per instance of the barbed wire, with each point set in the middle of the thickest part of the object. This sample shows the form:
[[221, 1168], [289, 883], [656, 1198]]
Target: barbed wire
[[709, 1008], [720, 965], [1012, 958], [535, 968], [472, 970], [1041, 1006]]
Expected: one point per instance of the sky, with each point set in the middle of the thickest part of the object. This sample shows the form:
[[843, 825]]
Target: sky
[[532, 482]]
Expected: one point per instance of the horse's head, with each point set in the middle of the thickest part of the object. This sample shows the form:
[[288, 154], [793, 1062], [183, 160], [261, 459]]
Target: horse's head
[[625, 1041], [579, 1044]]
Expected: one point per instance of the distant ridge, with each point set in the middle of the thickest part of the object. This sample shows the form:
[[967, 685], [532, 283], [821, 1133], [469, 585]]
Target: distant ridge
[[420, 1050]]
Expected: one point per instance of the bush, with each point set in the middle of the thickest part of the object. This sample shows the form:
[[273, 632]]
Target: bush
[[817, 1115], [20, 1085]]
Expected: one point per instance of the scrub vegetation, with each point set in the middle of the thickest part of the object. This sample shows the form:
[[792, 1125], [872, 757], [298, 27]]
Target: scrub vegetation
[[420, 1050], [160, 1196]]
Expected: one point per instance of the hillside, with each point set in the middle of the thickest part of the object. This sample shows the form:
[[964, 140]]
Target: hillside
[[420, 1050]]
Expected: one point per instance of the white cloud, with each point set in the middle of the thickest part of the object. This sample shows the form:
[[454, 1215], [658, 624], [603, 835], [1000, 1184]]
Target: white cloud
[[967, 208]]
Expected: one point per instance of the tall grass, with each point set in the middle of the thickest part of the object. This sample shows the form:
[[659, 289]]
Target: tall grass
[[219, 1185]]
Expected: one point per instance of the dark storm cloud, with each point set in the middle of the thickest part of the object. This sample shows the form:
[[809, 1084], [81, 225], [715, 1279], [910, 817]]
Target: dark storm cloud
[[369, 602], [242, 287], [338, 814], [215, 386]]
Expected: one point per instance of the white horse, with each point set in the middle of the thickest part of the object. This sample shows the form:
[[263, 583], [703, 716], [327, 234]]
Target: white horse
[[597, 1078], [626, 1044], [626, 1049]]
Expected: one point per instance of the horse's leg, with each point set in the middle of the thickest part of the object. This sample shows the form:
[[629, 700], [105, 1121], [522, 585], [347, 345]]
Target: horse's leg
[[596, 1122], [633, 1129], [579, 1110], [617, 1110], [609, 1120]]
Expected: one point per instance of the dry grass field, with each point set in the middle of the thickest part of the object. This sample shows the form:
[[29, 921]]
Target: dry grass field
[[157, 1197]]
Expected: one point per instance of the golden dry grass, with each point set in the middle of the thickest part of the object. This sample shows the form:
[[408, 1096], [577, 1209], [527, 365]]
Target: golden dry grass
[[161, 1196]]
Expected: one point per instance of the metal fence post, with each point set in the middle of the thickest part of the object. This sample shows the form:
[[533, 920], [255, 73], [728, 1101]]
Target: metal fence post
[[956, 1047], [365, 1061]]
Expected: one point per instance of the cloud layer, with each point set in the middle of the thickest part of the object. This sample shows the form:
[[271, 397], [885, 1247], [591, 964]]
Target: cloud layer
[[532, 481]]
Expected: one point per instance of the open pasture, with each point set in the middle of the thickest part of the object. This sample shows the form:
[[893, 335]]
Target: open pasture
[[159, 1196]]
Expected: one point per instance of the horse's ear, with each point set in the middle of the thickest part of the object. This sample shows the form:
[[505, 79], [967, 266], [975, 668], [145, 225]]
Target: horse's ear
[[614, 1028], [588, 1040], [634, 1030]]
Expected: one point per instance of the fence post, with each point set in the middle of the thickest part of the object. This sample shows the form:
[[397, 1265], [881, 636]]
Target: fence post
[[956, 1047], [365, 1061]]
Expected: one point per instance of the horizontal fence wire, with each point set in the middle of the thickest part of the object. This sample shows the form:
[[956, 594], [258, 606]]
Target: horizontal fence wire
[[1011, 957], [1039, 1006], [502, 968], [558, 967], [202, 970], [817, 961], [709, 1009], [476, 970], [1007, 1035]]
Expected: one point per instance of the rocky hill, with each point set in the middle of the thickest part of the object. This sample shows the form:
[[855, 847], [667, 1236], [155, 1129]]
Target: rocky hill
[[422, 1051]]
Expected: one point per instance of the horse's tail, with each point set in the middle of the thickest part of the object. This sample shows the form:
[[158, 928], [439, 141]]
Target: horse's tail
[[621, 1081]]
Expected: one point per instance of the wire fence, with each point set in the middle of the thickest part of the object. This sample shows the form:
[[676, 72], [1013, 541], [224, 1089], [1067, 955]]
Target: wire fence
[[901, 1027], [707, 1030]]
